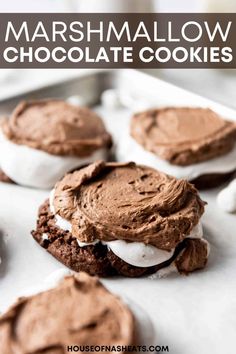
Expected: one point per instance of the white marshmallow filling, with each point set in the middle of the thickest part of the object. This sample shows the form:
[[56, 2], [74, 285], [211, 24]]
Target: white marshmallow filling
[[36, 168], [136, 254], [130, 150]]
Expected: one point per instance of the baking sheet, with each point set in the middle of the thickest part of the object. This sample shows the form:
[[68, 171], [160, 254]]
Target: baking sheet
[[192, 315]]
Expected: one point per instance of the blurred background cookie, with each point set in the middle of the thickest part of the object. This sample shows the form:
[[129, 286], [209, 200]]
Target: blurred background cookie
[[77, 311], [192, 143], [42, 140]]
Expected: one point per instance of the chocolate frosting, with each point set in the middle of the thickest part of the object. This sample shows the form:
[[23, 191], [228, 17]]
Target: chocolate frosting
[[183, 136], [110, 201], [57, 128], [80, 311], [193, 257]]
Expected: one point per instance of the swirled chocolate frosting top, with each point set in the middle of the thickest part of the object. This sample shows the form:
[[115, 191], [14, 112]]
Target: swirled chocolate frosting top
[[114, 201]]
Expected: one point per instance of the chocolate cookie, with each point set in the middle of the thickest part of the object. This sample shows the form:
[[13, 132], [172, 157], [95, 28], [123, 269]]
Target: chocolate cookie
[[57, 128], [79, 311], [125, 219], [184, 136], [212, 180], [185, 142], [43, 140]]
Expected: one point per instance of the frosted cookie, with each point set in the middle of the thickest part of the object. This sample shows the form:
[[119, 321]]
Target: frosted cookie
[[42, 140], [110, 218], [78, 311], [191, 143]]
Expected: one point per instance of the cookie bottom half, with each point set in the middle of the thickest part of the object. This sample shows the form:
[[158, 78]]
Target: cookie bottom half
[[212, 180], [98, 259]]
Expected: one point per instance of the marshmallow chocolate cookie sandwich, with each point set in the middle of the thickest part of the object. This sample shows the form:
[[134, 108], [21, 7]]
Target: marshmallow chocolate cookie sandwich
[[123, 219], [77, 312], [192, 143], [43, 140]]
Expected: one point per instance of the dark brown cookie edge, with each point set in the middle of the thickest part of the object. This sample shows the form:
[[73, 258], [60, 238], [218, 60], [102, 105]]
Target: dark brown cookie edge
[[212, 180]]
